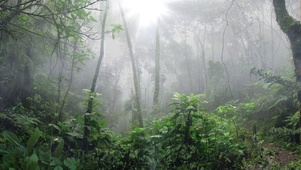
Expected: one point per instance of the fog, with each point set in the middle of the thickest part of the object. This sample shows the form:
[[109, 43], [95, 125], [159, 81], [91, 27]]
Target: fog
[[154, 57], [206, 47], [235, 36]]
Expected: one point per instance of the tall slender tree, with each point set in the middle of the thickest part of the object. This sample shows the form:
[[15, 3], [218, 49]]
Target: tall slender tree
[[157, 69], [137, 115], [92, 90]]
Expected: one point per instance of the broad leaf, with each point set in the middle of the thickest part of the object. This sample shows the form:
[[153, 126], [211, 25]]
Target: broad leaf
[[59, 148], [34, 137], [11, 137]]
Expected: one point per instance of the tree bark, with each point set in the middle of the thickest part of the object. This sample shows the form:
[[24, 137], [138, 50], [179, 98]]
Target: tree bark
[[135, 122], [69, 83], [157, 70], [292, 29], [90, 100]]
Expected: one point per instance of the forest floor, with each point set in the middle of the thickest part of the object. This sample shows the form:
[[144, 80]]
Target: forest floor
[[278, 158], [282, 156]]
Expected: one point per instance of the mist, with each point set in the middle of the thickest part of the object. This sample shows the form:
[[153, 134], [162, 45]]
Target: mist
[[128, 84]]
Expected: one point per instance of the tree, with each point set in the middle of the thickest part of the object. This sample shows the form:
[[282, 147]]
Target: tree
[[92, 91], [137, 115], [157, 69], [292, 28], [31, 32]]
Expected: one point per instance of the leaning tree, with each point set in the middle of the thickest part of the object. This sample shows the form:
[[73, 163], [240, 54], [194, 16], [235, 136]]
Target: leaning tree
[[292, 28]]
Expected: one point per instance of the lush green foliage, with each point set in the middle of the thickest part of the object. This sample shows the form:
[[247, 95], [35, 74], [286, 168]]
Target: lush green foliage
[[189, 137]]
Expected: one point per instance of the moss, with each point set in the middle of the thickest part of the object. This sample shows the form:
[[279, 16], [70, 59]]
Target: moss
[[287, 22], [283, 18]]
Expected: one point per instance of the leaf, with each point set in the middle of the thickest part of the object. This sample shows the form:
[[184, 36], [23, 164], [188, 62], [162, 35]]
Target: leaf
[[92, 18], [32, 162], [190, 108], [226, 134], [164, 130], [156, 136], [58, 168], [56, 162], [59, 148], [45, 157], [54, 126], [34, 137], [70, 163], [139, 130], [11, 137], [75, 134]]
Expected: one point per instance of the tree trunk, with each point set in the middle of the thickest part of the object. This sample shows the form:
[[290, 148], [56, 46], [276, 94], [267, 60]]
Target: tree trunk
[[157, 70], [69, 83], [135, 74], [292, 29], [90, 100], [200, 75], [204, 66], [187, 64], [272, 42]]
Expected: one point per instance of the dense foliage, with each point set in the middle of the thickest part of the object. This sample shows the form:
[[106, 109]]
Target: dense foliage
[[188, 137]]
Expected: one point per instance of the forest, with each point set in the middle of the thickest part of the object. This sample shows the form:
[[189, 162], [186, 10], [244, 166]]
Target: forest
[[150, 84]]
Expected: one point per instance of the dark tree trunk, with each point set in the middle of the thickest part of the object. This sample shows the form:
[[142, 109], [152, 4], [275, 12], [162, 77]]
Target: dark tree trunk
[[86, 134], [292, 29], [27, 87]]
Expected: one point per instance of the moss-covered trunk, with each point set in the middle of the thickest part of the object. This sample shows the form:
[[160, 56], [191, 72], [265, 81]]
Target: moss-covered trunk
[[292, 28]]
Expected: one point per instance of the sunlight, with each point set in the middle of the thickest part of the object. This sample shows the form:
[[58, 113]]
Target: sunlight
[[148, 11]]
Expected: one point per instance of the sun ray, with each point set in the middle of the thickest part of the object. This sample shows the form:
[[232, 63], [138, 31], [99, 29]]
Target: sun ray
[[147, 11]]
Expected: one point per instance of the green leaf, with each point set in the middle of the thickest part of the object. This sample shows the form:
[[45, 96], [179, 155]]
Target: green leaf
[[56, 162], [75, 134], [45, 157], [58, 168], [70, 163], [190, 108], [59, 148], [54, 126], [164, 130], [138, 130], [92, 18], [32, 162], [226, 134], [11, 137], [34, 137]]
